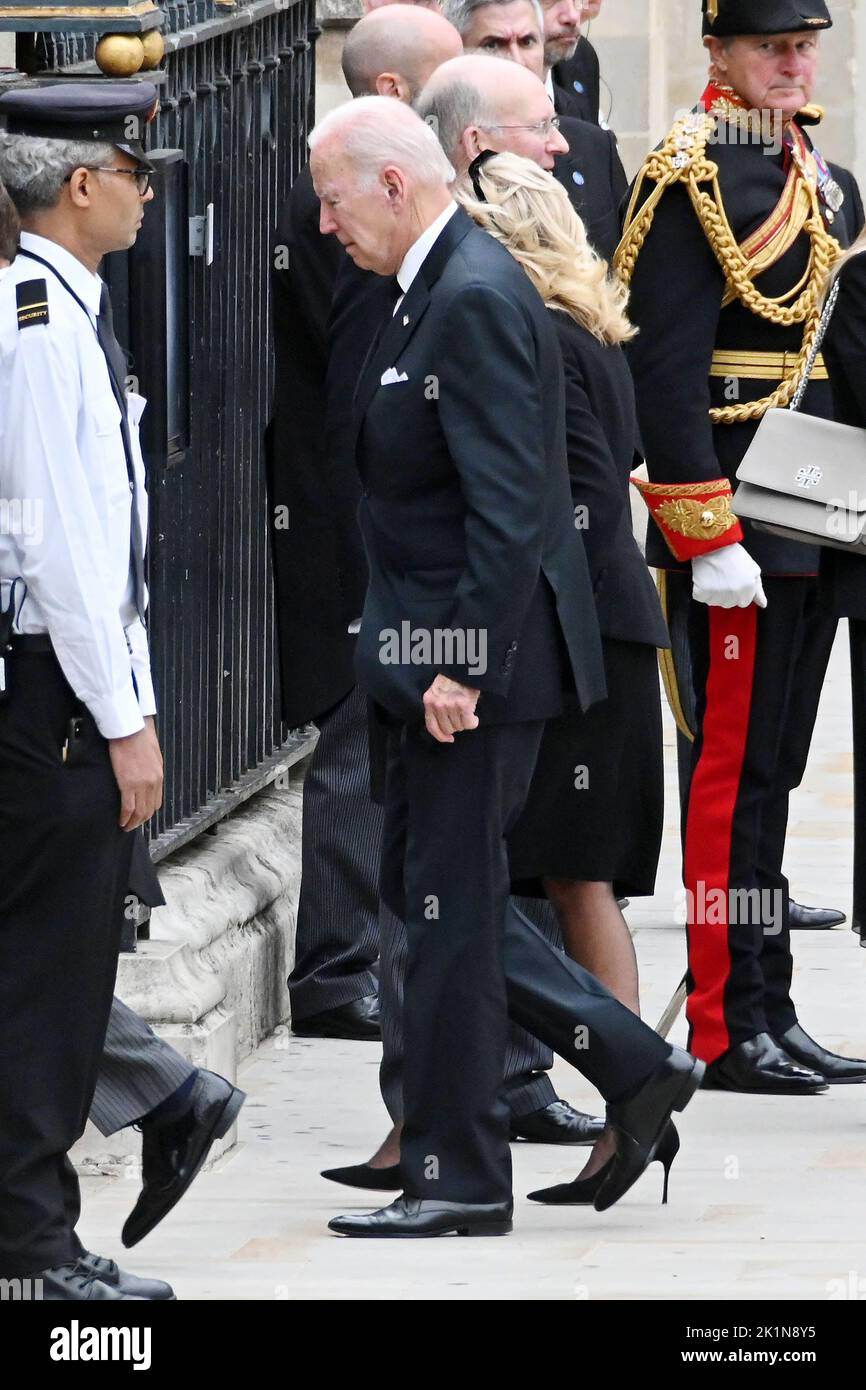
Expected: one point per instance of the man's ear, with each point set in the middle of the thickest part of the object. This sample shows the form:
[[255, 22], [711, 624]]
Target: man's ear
[[395, 186], [390, 84], [79, 187], [470, 142]]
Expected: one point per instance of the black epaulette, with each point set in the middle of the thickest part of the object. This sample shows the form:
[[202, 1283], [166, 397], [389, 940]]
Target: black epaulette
[[32, 300]]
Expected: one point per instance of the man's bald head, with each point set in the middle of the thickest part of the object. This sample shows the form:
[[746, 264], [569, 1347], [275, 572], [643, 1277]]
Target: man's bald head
[[369, 5], [393, 51], [475, 103]]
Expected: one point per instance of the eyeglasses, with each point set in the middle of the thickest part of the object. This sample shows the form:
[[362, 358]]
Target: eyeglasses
[[142, 176], [541, 128]]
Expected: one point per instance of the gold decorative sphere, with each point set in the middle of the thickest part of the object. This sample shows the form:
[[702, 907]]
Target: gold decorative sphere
[[154, 49], [120, 55]]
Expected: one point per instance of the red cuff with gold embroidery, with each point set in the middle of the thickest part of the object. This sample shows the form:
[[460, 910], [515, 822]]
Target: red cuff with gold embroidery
[[694, 518]]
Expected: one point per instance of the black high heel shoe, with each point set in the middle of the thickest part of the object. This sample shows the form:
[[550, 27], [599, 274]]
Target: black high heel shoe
[[362, 1175], [581, 1192]]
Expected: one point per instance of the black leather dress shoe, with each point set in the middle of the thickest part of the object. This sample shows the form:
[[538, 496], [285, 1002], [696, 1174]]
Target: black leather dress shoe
[[362, 1175], [640, 1123], [109, 1273], [358, 1020], [804, 918], [557, 1123], [410, 1217], [835, 1069], [173, 1153], [76, 1283], [759, 1066]]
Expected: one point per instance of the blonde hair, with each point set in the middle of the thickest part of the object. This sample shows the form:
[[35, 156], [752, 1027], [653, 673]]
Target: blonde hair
[[531, 215]]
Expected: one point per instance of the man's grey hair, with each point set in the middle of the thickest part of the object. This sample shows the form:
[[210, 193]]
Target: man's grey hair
[[451, 107], [34, 171], [461, 12], [378, 131]]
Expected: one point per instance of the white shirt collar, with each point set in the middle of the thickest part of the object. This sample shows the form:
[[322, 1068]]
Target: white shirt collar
[[85, 284], [420, 249], [548, 82]]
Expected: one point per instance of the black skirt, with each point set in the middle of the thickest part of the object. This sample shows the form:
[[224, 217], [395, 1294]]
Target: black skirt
[[595, 808]]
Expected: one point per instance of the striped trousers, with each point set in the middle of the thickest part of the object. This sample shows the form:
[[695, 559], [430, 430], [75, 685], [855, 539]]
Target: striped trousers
[[137, 1071]]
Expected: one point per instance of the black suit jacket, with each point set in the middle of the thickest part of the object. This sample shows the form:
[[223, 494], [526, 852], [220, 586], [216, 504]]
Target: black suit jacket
[[320, 571], [577, 84], [592, 175], [601, 425], [466, 510]]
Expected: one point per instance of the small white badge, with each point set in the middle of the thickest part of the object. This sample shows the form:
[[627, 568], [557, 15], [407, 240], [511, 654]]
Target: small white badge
[[809, 477]]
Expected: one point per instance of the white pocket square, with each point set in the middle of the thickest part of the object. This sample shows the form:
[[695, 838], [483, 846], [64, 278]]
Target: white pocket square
[[392, 376]]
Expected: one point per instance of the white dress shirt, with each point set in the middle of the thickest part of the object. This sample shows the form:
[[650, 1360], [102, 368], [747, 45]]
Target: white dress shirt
[[420, 250], [63, 467]]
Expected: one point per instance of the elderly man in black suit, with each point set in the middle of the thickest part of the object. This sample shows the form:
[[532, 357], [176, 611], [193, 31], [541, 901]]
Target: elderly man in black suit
[[478, 106], [320, 572], [478, 614]]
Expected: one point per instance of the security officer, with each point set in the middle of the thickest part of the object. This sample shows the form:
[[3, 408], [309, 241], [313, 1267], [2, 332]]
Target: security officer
[[80, 765], [732, 226]]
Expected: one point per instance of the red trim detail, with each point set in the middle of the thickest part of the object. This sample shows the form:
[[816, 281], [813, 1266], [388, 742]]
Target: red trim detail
[[709, 823]]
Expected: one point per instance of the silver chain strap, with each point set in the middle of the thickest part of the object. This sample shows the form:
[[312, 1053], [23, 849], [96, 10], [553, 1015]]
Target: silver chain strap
[[816, 346]]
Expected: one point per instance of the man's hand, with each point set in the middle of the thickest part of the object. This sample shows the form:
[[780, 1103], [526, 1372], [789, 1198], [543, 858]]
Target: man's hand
[[137, 765], [448, 708], [727, 578]]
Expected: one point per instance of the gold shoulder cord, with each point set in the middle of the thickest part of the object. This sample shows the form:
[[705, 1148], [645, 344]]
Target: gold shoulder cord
[[683, 159]]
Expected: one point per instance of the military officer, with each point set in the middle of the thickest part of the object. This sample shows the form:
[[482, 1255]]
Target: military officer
[[80, 764], [732, 226]]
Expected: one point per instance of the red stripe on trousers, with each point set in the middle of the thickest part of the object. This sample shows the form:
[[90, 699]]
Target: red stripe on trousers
[[709, 822]]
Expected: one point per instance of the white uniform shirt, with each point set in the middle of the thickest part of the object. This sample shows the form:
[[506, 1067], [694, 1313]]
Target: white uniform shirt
[[65, 496]]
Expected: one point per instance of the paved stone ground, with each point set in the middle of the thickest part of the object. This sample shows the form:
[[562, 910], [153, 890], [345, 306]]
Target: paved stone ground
[[766, 1196]]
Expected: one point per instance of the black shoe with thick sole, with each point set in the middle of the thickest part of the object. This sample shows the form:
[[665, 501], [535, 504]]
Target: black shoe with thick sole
[[413, 1218], [75, 1282], [557, 1123], [172, 1153], [358, 1021], [759, 1066], [156, 1290], [835, 1069]]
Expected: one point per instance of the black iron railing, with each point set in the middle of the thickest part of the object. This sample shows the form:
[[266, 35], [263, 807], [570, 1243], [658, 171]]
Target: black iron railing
[[236, 104]]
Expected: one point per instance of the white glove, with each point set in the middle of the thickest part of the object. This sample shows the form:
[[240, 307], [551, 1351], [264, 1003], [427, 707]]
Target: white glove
[[727, 578]]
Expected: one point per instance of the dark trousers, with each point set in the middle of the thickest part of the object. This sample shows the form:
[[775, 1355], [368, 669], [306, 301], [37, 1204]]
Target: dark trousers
[[65, 870], [758, 675], [337, 940], [445, 872], [857, 642]]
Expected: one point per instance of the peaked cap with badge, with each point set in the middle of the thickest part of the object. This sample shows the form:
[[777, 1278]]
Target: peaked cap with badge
[[730, 18], [116, 113]]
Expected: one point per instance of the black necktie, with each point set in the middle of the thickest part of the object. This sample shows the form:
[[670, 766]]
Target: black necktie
[[116, 360]]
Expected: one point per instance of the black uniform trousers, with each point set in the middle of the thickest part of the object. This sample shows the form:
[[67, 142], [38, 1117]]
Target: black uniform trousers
[[64, 870], [758, 675], [448, 810], [337, 939]]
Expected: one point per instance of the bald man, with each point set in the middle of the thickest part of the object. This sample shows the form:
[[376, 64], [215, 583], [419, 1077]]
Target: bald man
[[478, 103], [321, 574]]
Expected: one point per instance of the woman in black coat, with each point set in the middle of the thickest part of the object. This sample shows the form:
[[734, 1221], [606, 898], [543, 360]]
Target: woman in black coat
[[592, 825]]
